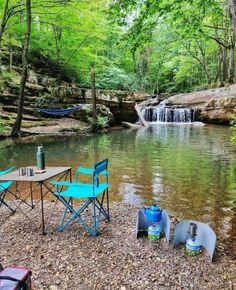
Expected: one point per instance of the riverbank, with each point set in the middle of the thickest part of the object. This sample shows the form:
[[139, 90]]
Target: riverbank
[[59, 126], [62, 126], [114, 260]]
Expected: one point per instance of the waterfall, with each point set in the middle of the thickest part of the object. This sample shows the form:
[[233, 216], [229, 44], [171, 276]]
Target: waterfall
[[162, 113]]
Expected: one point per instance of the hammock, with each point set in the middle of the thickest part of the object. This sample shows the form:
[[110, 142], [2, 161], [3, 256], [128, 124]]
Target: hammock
[[59, 112]]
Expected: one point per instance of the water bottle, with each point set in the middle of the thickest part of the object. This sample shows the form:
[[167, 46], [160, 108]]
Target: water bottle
[[40, 158]]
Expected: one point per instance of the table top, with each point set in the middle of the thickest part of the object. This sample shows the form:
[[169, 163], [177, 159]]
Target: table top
[[49, 173]]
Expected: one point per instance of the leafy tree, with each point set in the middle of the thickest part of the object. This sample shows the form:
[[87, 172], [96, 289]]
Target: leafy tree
[[195, 25], [143, 45]]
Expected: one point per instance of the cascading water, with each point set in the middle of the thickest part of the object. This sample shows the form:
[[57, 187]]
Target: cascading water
[[162, 113]]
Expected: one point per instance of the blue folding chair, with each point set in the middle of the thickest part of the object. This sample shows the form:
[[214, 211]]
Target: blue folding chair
[[4, 187], [94, 194]]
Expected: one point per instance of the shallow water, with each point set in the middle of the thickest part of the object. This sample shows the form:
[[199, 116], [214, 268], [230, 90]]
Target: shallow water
[[188, 170]]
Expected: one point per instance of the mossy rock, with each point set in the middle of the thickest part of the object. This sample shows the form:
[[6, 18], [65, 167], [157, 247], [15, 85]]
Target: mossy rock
[[86, 113]]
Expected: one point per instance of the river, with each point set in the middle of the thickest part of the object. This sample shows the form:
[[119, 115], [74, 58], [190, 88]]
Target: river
[[188, 170]]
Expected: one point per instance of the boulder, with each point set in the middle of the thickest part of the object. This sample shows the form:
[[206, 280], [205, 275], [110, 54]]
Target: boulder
[[66, 92], [32, 77], [152, 101]]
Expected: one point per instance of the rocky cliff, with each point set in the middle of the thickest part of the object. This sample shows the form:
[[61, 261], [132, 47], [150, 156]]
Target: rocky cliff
[[211, 106]]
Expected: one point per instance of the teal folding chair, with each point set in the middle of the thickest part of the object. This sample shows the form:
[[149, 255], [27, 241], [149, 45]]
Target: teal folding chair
[[4, 188], [93, 194]]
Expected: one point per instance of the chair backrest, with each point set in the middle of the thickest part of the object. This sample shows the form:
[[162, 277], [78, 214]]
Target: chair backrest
[[99, 168], [2, 172], [5, 185]]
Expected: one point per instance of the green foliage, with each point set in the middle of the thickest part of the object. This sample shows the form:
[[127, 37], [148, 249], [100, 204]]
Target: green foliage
[[182, 38], [4, 127], [102, 122], [43, 101], [233, 124], [143, 45], [12, 76], [117, 78]]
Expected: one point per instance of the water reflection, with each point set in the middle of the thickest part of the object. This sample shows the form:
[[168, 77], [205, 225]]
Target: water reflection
[[190, 171]]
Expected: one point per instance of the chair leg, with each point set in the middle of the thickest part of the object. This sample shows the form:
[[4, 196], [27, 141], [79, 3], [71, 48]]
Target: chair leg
[[101, 207], [95, 219], [3, 202], [75, 215], [97, 210], [108, 208], [60, 227]]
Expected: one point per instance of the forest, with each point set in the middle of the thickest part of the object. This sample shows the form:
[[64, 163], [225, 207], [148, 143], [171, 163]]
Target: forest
[[143, 45], [146, 45]]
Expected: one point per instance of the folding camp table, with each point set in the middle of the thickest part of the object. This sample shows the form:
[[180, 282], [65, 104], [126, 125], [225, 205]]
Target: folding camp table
[[39, 180]]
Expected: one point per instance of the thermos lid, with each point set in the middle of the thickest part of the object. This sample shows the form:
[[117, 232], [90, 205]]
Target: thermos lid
[[40, 148], [155, 207]]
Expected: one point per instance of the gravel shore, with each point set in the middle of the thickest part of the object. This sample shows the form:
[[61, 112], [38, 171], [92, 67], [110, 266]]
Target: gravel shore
[[114, 260]]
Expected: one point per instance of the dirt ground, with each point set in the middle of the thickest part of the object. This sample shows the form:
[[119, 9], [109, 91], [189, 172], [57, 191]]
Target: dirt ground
[[115, 259]]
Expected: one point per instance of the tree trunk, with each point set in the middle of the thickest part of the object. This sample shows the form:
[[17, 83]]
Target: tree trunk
[[93, 87], [205, 68], [208, 77], [232, 4], [17, 125], [21, 13], [134, 61], [219, 71], [57, 31], [225, 64], [2, 28], [10, 56], [232, 62], [156, 84]]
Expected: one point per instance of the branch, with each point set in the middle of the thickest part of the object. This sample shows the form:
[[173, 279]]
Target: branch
[[74, 52], [217, 27], [218, 40], [193, 55]]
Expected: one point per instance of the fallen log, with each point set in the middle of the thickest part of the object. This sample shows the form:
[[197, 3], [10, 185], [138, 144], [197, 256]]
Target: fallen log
[[144, 123], [131, 125]]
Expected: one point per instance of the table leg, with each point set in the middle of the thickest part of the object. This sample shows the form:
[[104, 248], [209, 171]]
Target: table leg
[[70, 175], [31, 195], [49, 189], [71, 181], [42, 209]]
